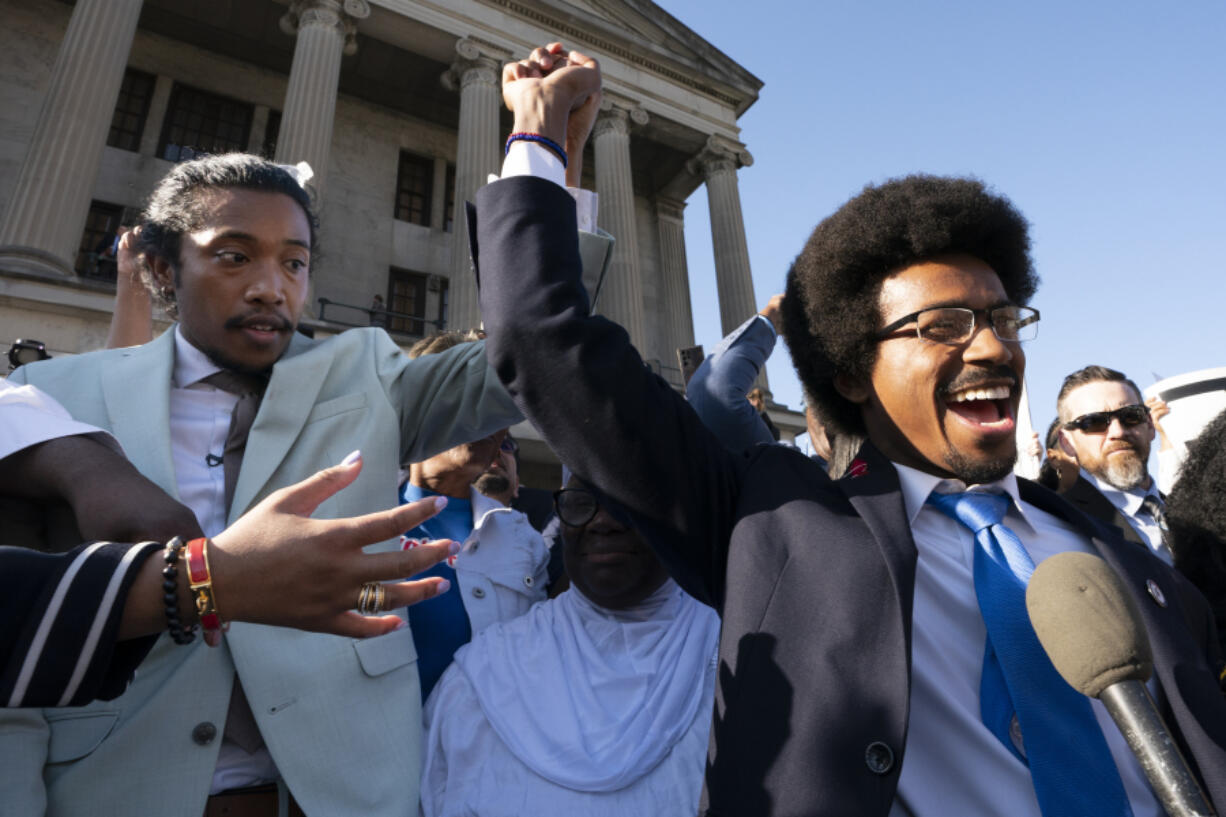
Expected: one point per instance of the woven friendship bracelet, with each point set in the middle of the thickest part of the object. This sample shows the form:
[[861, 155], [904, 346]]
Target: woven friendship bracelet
[[540, 139], [170, 594]]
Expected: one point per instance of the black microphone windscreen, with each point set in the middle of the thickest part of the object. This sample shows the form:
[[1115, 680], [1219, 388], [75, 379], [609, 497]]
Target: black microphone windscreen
[[1088, 623]]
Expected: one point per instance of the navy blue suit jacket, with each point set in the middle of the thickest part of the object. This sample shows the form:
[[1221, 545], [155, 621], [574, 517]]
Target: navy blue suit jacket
[[813, 578]]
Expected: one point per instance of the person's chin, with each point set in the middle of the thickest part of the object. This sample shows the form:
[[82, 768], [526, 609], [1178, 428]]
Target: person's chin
[[978, 465]]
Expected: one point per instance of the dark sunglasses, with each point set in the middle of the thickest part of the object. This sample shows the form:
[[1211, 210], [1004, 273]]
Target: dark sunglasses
[[1096, 422], [575, 506], [509, 445]]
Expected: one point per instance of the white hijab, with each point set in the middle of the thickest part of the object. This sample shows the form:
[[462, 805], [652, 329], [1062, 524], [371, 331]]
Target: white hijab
[[593, 699]]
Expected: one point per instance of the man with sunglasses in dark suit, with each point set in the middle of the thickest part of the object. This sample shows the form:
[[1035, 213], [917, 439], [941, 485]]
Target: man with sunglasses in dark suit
[[1106, 425]]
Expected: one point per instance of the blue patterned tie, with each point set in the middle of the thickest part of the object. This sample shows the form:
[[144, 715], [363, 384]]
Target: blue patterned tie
[[1072, 769]]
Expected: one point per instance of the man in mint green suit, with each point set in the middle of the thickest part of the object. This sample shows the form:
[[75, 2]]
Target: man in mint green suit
[[228, 238]]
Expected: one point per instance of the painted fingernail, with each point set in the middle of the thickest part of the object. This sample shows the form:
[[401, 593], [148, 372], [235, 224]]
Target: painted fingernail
[[442, 587], [440, 502], [353, 457], [400, 625], [454, 547]]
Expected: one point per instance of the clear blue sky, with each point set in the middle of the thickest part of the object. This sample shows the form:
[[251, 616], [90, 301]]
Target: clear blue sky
[[1105, 123]]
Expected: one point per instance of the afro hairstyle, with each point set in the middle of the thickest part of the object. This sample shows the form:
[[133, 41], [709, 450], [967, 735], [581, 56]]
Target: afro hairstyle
[[831, 311]]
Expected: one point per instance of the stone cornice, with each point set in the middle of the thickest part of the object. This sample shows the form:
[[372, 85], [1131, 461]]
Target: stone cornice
[[569, 32], [339, 14]]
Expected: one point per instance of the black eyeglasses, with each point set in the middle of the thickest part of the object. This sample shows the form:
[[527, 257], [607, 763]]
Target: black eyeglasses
[[509, 445], [1096, 422], [955, 325], [575, 506]]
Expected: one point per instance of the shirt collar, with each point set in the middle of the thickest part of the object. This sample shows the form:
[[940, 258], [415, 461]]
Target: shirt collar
[[191, 364], [1128, 502], [917, 485]]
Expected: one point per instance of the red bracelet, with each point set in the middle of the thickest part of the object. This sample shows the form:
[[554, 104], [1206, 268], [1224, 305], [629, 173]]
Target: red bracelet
[[201, 581]]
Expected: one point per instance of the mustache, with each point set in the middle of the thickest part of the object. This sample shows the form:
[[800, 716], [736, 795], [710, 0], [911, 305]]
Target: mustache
[[1121, 445], [278, 322], [977, 378]]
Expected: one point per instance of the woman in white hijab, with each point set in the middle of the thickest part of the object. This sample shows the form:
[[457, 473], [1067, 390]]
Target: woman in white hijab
[[597, 702]]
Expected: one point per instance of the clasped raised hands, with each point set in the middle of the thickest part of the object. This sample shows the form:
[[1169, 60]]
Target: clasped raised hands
[[556, 93]]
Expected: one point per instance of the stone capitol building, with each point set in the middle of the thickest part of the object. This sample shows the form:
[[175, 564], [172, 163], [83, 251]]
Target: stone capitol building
[[396, 106]]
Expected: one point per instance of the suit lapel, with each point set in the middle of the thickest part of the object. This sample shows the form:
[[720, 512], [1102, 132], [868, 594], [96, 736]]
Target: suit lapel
[[136, 388], [877, 498], [296, 380], [1090, 500]]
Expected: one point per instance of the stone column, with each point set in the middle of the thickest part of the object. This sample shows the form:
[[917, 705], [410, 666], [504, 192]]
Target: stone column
[[717, 164], [159, 103], [677, 312], [46, 212], [438, 195], [326, 29], [621, 298], [259, 128], [474, 75]]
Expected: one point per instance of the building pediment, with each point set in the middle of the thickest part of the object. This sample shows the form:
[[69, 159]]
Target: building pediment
[[641, 33]]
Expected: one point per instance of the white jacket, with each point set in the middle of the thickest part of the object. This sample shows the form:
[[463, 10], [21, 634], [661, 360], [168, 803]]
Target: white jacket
[[502, 567]]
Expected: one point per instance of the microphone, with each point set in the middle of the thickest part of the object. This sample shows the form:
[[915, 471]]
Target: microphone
[[1092, 632]]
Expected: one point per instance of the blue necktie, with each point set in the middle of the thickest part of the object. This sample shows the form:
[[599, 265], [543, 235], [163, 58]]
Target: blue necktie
[[1071, 767]]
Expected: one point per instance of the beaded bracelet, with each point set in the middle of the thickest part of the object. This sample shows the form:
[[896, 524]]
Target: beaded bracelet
[[201, 581], [170, 594], [540, 139]]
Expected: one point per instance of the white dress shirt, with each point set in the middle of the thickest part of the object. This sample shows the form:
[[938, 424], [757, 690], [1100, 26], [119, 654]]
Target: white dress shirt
[[199, 423], [1129, 504], [954, 765]]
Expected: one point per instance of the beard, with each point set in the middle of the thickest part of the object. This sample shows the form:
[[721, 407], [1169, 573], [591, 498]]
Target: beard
[[492, 483], [979, 472], [1124, 471]]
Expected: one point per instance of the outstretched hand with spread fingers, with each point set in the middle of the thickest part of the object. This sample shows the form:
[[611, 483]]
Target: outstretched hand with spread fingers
[[277, 565]]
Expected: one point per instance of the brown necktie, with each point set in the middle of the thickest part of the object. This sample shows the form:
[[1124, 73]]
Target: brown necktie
[[240, 722], [250, 391]]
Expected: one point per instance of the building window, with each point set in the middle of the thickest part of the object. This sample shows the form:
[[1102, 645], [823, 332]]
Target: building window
[[447, 222], [406, 294], [95, 254], [128, 121], [199, 123], [271, 131], [414, 187], [444, 295]]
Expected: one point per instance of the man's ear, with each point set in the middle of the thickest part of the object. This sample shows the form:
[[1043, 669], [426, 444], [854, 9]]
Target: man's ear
[[1066, 445], [851, 388], [163, 273]]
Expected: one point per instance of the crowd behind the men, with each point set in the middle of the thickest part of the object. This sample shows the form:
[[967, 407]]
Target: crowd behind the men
[[583, 690]]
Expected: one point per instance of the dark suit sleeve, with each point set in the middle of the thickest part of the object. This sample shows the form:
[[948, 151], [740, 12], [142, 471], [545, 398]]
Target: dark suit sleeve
[[620, 428], [61, 617]]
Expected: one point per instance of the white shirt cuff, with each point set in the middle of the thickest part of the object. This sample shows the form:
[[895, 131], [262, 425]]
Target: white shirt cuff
[[532, 159]]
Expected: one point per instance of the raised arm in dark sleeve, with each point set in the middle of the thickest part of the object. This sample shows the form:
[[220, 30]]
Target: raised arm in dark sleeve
[[622, 429]]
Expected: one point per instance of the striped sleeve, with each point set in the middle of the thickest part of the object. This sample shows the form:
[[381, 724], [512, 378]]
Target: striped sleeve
[[61, 615]]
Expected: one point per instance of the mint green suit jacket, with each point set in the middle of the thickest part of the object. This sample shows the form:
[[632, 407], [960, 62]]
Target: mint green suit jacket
[[340, 716]]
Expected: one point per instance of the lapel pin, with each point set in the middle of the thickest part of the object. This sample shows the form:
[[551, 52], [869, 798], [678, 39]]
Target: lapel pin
[[1155, 592], [858, 468]]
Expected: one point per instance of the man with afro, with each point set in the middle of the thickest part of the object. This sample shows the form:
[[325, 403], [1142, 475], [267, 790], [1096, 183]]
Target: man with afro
[[875, 656]]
